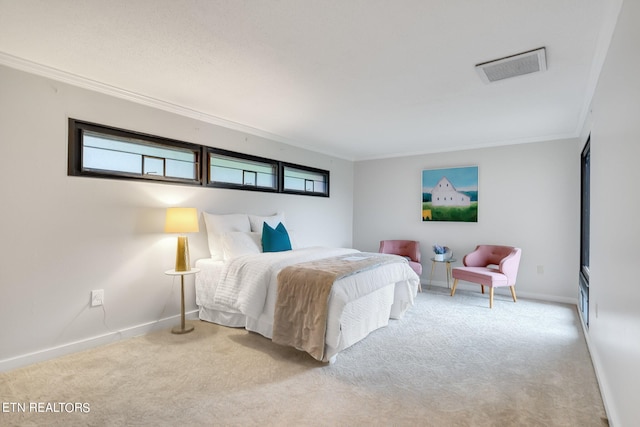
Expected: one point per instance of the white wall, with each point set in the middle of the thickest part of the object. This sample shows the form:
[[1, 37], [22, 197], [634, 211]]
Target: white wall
[[63, 236], [528, 197], [614, 311]]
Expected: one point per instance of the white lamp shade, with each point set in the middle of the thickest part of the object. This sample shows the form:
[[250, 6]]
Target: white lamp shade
[[181, 220]]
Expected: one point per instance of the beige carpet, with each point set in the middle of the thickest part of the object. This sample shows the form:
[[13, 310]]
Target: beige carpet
[[448, 362]]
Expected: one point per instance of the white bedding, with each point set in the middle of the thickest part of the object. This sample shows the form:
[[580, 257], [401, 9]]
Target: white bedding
[[242, 291]]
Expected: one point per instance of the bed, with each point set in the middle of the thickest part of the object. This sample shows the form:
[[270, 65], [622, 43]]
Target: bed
[[238, 285]]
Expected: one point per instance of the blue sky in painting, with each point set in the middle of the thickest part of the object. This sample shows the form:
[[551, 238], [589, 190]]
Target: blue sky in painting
[[464, 179]]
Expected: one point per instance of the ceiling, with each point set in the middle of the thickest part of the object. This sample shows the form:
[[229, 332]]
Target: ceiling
[[358, 79]]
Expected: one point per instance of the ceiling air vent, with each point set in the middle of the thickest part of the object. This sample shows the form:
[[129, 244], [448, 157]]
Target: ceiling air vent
[[532, 61]]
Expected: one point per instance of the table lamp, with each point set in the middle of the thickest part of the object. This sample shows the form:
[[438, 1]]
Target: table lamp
[[181, 221]]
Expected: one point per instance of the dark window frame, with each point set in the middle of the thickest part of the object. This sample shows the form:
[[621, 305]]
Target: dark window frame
[[202, 161], [585, 204], [240, 156], [585, 232], [310, 169], [75, 154]]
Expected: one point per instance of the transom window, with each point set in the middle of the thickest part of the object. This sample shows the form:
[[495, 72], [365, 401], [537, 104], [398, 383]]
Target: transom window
[[101, 151], [232, 169], [305, 180], [110, 153], [105, 152]]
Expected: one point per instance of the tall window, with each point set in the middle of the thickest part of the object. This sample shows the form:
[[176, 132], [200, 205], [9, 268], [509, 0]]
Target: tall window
[[585, 197]]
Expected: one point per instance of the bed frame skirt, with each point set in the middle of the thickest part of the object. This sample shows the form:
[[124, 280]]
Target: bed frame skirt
[[358, 319]]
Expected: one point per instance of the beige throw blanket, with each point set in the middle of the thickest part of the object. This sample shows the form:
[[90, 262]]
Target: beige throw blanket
[[300, 317]]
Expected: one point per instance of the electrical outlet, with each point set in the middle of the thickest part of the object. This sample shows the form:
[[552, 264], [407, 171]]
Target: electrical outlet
[[97, 298]]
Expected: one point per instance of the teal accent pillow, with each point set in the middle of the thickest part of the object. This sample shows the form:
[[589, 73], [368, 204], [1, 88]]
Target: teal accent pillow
[[275, 239]]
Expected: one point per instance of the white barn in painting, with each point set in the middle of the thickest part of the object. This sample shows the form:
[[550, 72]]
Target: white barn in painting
[[445, 194]]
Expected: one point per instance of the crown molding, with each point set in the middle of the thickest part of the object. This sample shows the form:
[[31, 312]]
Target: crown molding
[[96, 86]]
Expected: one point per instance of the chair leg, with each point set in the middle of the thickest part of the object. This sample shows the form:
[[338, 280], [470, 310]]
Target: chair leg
[[513, 293], [482, 287], [491, 297], [453, 289]]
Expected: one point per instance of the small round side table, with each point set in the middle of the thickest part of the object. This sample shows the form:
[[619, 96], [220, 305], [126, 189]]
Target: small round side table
[[447, 263], [182, 329]]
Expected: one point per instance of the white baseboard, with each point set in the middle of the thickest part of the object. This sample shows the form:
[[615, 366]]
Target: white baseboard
[[436, 283], [64, 349], [85, 344], [506, 291], [600, 377]]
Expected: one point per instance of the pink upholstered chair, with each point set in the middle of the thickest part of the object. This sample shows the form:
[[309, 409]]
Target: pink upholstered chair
[[489, 265], [409, 249]]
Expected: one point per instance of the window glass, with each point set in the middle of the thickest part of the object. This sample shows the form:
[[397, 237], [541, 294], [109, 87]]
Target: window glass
[[153, 166], [101, 152], [303, 180], [239, 171]]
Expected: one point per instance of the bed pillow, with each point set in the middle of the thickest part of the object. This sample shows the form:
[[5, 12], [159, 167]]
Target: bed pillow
[[256, 221], [217, 225], [275, 239], [237, 243]]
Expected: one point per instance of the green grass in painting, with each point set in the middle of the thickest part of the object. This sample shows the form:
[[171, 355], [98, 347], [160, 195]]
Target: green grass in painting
[[450, 213]]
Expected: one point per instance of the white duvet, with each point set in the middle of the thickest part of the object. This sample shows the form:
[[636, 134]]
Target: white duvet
[[246, 287], [247, 280]]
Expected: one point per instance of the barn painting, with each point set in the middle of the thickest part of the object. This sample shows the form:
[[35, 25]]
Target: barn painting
[[450, 194]]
